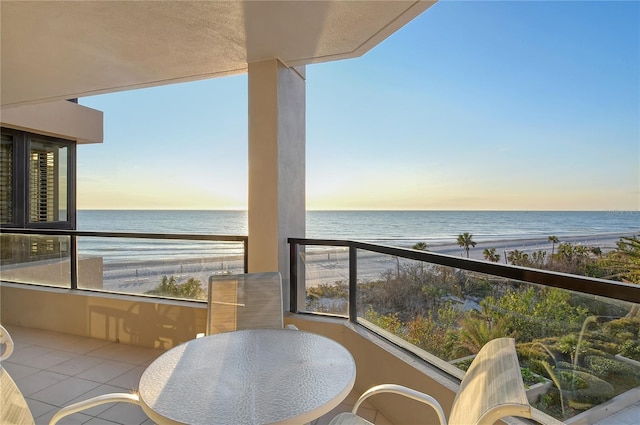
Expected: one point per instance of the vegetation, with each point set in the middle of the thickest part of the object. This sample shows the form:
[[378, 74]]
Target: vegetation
[[622, 264], [465, 240], [566, 337], [421, 246], [554, 240], [169, 287], [491, 255]]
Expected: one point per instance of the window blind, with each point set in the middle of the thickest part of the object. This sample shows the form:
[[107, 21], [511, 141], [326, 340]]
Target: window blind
[[6, 179]]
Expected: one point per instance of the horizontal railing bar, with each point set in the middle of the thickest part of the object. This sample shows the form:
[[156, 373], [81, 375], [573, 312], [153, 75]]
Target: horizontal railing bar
[[61, 232], [74, 234], [589, 285]]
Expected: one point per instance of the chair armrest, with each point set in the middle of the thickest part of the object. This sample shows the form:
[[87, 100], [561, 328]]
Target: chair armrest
[[92, 402], [404, 391], [5, 339]]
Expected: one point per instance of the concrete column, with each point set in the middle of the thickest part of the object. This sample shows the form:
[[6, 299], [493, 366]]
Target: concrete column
[[276, 165]]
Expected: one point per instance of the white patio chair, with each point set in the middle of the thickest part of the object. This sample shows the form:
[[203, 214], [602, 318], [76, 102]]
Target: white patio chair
[[491, 389], [245, 301]]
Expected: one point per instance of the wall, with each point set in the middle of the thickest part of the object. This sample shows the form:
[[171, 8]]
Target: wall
[[63, 119], [144, 321]]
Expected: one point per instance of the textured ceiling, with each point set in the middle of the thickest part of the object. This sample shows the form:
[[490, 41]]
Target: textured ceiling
[[58, 50]]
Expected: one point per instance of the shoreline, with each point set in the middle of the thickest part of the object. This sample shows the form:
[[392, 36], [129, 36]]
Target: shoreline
[[323, 265], [606, 242]]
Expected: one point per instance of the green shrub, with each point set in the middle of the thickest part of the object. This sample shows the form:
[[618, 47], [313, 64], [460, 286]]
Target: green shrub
[[630, 349], [604, 367], [529, 377], [584, 388], [622, 326]]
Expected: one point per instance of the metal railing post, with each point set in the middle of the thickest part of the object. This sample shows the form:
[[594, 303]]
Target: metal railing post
[[294, 250], [246, 255], [353, 284], [73, 252]]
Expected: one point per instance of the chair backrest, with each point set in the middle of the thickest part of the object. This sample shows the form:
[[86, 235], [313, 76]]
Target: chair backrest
[[13, 407], [492, 388], [244, 301]]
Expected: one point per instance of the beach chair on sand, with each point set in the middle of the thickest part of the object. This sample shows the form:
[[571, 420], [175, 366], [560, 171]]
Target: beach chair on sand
[[492, 389]]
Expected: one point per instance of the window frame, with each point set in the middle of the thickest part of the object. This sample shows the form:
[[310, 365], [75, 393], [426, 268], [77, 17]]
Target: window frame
[[21, 175]]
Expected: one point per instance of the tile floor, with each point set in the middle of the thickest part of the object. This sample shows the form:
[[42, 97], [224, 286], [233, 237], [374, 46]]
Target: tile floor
[[53, 370]]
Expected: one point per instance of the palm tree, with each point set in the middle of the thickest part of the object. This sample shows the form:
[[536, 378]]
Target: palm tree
[[491, 255], [421, 246], [465, 240], [476, 330], [554, 240]]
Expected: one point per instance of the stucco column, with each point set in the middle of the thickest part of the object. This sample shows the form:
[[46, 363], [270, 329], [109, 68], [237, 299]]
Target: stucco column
[[276, 165]]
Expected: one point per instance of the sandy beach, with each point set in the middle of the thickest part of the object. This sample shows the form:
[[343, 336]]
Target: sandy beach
[[322, 265]]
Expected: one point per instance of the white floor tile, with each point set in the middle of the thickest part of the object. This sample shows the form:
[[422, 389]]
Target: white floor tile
[[76, 365], [99, 421], [63, 392], [18, 371], [39, 408], [129, 380], [106, 371], [87, 345], [29, 355], [124, 413], [51, 358], [75, 419], [39, 381], [111, 351]]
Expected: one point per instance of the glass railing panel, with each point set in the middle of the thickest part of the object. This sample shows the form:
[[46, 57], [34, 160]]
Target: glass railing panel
[[35, 259], [581, 348], [414, 300], [159, 267], [325, 273]]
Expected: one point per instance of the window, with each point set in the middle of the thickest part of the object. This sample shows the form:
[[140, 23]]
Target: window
[[6, 179], [37, 181], [47, 182]]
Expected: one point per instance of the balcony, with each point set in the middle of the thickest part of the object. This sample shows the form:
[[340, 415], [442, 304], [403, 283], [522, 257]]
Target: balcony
[[53, 325]]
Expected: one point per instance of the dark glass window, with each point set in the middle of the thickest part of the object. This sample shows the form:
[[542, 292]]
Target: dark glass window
[[37, 181], [47, 182]]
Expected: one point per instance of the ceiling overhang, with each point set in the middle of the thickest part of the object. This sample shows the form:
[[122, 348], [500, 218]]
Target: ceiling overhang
[[53, 50]]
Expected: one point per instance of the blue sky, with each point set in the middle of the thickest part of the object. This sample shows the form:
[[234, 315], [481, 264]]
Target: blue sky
[[473, 105]]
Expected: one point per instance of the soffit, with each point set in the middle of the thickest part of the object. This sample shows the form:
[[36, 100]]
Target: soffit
[[56, 50]]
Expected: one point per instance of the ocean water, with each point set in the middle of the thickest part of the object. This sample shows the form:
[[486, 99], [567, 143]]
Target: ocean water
[[399, 228], [411, 226]]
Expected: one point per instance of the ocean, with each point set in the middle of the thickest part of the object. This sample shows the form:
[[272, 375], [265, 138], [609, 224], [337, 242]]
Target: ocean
[[400, 227], [397, 228]]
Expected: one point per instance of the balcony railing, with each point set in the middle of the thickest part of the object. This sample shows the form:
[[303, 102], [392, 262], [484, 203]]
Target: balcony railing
[[578, 336], [166, 265]]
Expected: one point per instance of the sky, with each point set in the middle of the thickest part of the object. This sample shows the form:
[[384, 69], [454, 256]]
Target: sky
[[482, 105]]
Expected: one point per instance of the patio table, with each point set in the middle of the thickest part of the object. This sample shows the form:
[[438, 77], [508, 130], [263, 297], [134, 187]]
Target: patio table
[[248, 377]]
